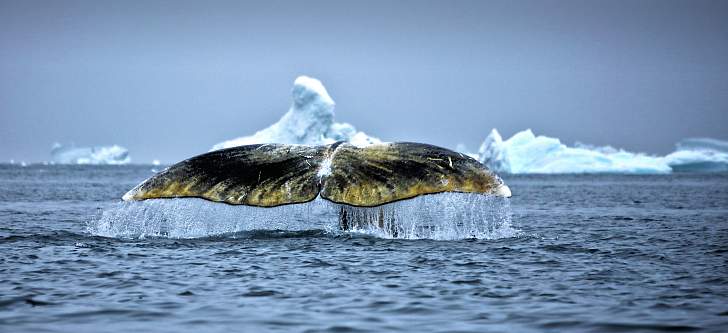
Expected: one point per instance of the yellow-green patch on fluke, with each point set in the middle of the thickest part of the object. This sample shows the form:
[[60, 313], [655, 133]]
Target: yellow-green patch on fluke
[[383, 173], [275, 174], [256, 175]]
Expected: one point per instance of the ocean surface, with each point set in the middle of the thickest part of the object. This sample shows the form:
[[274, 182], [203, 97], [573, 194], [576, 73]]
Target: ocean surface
[[576, 253]]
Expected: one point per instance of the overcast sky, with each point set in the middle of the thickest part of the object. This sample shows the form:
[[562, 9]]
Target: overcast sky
[[168, 79]]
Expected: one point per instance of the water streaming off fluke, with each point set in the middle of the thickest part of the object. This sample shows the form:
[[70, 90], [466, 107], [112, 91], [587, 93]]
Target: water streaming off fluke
[[443, 216]]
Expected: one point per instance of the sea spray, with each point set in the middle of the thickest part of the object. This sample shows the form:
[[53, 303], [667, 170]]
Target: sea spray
[[193, 218], [443, 216]]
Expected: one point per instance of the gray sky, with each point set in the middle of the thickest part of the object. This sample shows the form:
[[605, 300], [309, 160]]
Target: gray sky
[[168, 79]]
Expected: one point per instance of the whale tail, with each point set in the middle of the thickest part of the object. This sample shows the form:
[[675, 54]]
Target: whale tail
[[269, 175]]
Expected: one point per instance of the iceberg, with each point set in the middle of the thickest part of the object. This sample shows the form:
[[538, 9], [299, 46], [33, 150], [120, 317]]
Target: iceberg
[[492, 153], [525, 152], [699, 155], [309, 121], [90, 155]]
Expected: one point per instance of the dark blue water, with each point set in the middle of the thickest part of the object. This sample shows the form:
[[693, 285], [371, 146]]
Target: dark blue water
[[587, 253]]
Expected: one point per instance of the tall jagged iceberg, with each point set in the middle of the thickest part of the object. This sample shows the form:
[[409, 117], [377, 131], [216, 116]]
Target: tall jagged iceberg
[[309, 121], [699, 155], [115, 155], [525, 152]]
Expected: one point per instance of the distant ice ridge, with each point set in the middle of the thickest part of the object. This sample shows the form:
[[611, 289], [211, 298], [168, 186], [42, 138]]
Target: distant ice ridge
[[90, 155], [443, 216], [526, 153], [309, 121], [699, 155]]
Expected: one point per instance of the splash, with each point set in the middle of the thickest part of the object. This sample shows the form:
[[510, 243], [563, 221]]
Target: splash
[[444, 216], [194, 218]]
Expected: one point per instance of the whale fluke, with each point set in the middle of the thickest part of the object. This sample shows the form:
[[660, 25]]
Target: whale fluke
[[269, 175]]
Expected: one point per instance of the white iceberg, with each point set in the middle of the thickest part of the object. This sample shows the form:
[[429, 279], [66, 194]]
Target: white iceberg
[[90, 155], [492, 153], [309, 121], [699, 155], [525, 152]]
